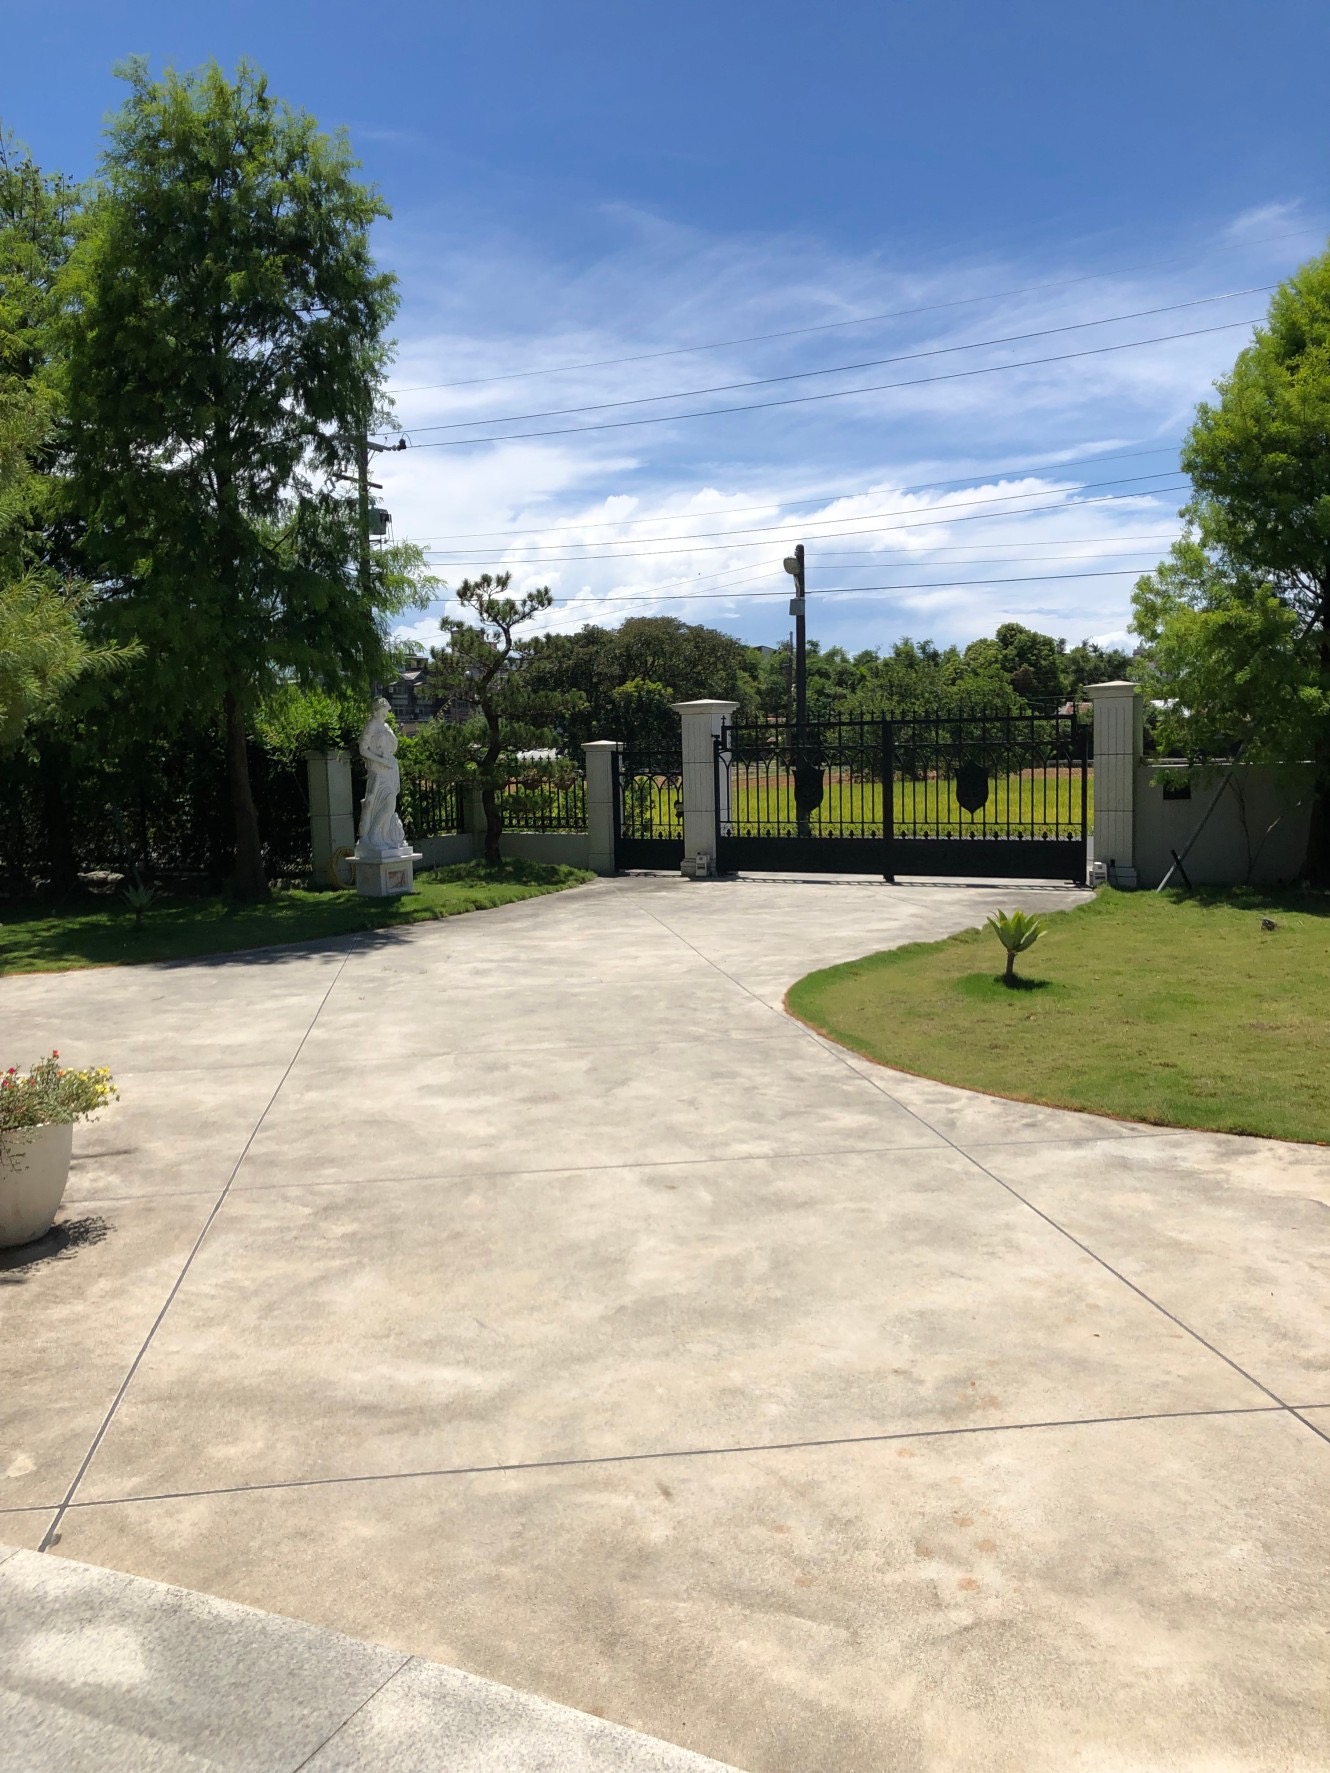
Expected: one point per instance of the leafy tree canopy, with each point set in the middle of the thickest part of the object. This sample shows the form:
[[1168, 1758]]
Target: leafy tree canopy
[[488, 667], [681, 661], [684, 660], [1236, 622], [225, 332], [43, 650]]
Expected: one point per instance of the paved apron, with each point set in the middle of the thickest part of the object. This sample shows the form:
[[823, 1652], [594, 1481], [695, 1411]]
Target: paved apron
[[527, 1292]]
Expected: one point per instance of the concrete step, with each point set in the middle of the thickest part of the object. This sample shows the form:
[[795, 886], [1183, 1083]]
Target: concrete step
[[106, 1673]]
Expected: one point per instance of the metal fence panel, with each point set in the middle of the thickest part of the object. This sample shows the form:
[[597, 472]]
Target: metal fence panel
[[984, 795]]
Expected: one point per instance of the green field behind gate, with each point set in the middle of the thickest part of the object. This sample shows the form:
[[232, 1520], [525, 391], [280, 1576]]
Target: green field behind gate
[[762, 804]]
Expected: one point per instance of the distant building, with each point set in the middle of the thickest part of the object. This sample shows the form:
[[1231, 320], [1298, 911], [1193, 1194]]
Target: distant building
[[408, 694], [409, 697]]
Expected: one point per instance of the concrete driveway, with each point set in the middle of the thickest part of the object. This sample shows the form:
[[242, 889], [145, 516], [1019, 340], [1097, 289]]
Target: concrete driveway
[[529, 1293]]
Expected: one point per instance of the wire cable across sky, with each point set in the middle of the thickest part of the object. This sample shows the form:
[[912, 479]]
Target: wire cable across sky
[[793, 332], [984, 478], [836, 393], [837, 369], [594, 600], [766, 536]]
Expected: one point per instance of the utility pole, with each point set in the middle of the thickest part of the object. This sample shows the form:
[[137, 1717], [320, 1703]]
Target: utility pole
[[362, 507], [794, 565], [362, 446], [805, 754]]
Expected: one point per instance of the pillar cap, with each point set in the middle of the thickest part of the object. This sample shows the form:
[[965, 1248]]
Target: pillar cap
[[602, 744], [707, 705], [1120, 686]]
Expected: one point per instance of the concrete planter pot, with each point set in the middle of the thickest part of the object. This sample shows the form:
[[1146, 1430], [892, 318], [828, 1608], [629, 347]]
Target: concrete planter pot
[[34, 1168]]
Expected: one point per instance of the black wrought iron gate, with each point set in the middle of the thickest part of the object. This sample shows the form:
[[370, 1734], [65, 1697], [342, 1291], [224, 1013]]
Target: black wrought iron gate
[[648, 806], [982, 796]]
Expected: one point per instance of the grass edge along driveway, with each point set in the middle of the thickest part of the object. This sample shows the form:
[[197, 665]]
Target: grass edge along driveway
[[99, 931], [1173, 1009]]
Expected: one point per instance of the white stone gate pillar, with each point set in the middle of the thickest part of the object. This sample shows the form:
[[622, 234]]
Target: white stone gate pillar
[[600, 808], [332, 819], [1119, 716], [701, 723]]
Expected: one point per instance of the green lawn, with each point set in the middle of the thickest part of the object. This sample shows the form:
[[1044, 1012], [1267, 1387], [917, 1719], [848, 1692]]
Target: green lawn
[[762, 802], [100, 931], [1157, 1007]]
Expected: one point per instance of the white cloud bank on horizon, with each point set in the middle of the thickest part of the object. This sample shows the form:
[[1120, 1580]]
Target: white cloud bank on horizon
[[641, 520]]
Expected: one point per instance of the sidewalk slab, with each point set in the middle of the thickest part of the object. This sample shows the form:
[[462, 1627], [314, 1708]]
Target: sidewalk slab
[[577, 1318], [103, 1673]]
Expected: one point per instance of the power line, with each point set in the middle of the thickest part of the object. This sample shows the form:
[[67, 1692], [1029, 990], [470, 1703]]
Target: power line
[[837, 369], [823, 498], [840, 560], [973, 557], [791, 332], [749, 577], [595, 601], [464, 557], [987, 548], [836, 393], [927, 519]]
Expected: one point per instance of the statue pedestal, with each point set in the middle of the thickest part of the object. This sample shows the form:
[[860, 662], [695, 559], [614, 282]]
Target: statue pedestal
[[385, 874]]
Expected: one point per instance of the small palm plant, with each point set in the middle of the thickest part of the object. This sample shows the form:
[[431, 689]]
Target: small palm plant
[[1016, 932], [138, 897]]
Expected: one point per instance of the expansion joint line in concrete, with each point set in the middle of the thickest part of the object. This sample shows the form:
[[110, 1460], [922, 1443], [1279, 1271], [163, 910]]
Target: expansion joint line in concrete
[[968, 1157], [52, 1533], [738, 1449], [352, 1716]]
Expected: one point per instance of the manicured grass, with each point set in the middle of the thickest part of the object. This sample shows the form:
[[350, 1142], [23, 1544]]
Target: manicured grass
[[762, 803], [760, 800], [100, 931], [1157, 1007]]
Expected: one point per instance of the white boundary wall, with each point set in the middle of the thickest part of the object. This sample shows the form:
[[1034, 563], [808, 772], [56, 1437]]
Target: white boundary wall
[[333, 826], [1257, 830]]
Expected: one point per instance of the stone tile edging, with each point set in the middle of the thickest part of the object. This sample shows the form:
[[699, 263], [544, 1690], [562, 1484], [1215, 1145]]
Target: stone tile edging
[[118, 1673]]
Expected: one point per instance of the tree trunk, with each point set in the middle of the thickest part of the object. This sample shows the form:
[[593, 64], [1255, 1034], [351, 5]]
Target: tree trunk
[[249, 880], [489, 800], [53, 776], [1009, 977]]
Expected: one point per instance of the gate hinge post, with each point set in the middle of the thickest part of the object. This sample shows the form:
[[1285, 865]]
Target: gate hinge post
[[601, 813], [701, 724]]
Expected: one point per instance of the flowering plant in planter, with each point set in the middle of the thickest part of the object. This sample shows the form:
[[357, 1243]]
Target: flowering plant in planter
[[37, 1115], [51, 1094]]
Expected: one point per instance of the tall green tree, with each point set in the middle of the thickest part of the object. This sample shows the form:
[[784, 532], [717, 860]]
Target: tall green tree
[[487, 666], [685, 660], [1090, 662], [1236, 622], [226, 345], [43, 649]]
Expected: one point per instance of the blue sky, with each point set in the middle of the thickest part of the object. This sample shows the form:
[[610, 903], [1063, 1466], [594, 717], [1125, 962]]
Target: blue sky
[[577, 184]]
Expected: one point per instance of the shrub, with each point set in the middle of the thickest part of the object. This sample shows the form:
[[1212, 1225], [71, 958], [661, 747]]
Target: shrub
[[1016, 932], [51, 1094]]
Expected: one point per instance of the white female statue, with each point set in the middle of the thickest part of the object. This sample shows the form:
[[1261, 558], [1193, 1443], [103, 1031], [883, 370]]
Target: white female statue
[[380, 828]]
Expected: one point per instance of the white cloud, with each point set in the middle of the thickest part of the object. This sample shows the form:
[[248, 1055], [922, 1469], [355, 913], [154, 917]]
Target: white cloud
[[1265, 218], [616, 521]]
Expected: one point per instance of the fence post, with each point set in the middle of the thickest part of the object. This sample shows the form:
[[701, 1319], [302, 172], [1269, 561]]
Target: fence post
[[1119, 716], [701, 722], [332, 819], [600, 755]]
